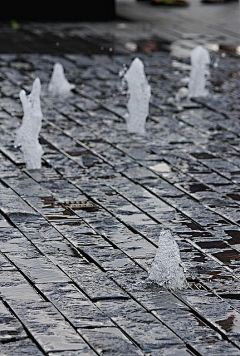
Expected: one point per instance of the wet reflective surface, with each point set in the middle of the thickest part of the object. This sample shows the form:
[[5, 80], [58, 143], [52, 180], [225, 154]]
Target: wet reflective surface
[[79, 236]]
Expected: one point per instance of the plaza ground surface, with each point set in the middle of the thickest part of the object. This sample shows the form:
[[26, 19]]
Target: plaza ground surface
[[78, 236]]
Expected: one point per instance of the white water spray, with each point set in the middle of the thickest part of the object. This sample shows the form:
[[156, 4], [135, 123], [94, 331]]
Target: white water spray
[[139, 96], [28, 133], [166, 269], [200, 60], [59, 85]]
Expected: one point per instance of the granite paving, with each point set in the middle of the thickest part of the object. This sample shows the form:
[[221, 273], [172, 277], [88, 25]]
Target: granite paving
[[73, 275]]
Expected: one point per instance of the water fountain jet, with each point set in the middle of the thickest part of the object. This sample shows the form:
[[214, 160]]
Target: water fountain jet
[[166, 269], [27, 134], [200, 59], [139, 96], [59, 85]]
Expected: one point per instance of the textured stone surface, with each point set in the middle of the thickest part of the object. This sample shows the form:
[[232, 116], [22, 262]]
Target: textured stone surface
[[72, 278]]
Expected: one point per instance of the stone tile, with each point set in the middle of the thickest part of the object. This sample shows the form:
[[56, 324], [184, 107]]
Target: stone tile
[[148, 332], [14, 287], [48, 327], [10, 327], [109, 341], [74, 305], [37, 268], [23, 347]]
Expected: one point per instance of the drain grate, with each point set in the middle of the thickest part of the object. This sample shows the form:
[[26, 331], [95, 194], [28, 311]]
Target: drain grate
[[81, 205]]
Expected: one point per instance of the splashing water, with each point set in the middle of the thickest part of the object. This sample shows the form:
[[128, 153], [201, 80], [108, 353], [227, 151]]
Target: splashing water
[[166, 269], [181, 94], [200, 59], [27, 134], [139, 96], [59, 85]]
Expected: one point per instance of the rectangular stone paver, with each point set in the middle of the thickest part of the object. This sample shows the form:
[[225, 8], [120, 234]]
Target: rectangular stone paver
[[74, 305], [23, 347], [48, 327], [10, 327]]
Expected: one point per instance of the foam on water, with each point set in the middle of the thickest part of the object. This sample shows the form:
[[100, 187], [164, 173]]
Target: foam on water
[[139, 96], [28, 133], [166, 269]]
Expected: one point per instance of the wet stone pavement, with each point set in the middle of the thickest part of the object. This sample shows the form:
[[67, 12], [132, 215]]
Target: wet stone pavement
[[72, 273]]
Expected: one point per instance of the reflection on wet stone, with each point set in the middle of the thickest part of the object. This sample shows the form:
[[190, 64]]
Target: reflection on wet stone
[[74, 305], [10, 328], [46, 324], [78, 237], [20, 347]]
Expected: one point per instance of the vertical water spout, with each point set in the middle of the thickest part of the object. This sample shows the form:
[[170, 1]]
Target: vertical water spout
[[166, 269], [200, 60], [28, 133], [139, 97], [59, 85]]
